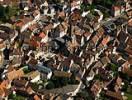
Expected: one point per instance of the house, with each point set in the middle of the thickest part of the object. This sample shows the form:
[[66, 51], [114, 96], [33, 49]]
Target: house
[[62, 74], [128, 5], [24, 91], [75, 16], [1, 58], [4, 91], [20, 83], [100, 32], [114, 95], [2, 44], [34, 76], [116, 10], [19, 23], [126, 68], [114, 57], [100, 47], [96, 88], [98, 64], [118, 84], [45, 71], [34, 26], [130, 60], [129, 13], [129, 29], [36, 97], [105, 60], [32, 62], [128, 50], [15, 74], [95, 39], [106, 40], [130, 22]]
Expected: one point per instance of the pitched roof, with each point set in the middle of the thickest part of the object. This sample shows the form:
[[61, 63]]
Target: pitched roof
[[130, 22], [100, 31], [29, 90], [36, 97], [62, 74], [126, 68], [48, 27], [130, 60], [42, 35], [96, 88], [105, 60], [95, 39], [33, 74], [33, 61], [15, 74], [34, 26], [106, 40], [116, 95], [118, 84], [128, 50], [2, 45], [116, 8], [34, 43], [20, 83], [3, 88], [129, 41], [19, 23]]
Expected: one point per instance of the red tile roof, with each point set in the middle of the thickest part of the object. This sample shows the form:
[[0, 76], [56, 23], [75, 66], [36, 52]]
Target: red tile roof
[[42, 35], [105, 40], [3, 88], [36, 97]]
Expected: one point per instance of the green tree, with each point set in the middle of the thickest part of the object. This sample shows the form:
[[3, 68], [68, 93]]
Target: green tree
[[7, 12], [49, 85]]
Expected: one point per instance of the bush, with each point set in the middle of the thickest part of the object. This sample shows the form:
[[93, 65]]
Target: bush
[[26, 70], [112, 67], [49, 85], [7, 12]]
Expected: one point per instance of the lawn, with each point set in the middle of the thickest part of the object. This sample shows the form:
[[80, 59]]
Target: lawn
[[129, 96]]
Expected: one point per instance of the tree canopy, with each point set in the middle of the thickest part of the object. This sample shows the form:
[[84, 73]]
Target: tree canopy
[[7, 12]]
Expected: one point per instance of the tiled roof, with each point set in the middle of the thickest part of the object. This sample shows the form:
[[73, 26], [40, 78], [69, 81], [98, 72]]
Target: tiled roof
[[116, 95], [15, 74], [42, 35], [36, 97], [106, 40], [3, 88], [96, 88]]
